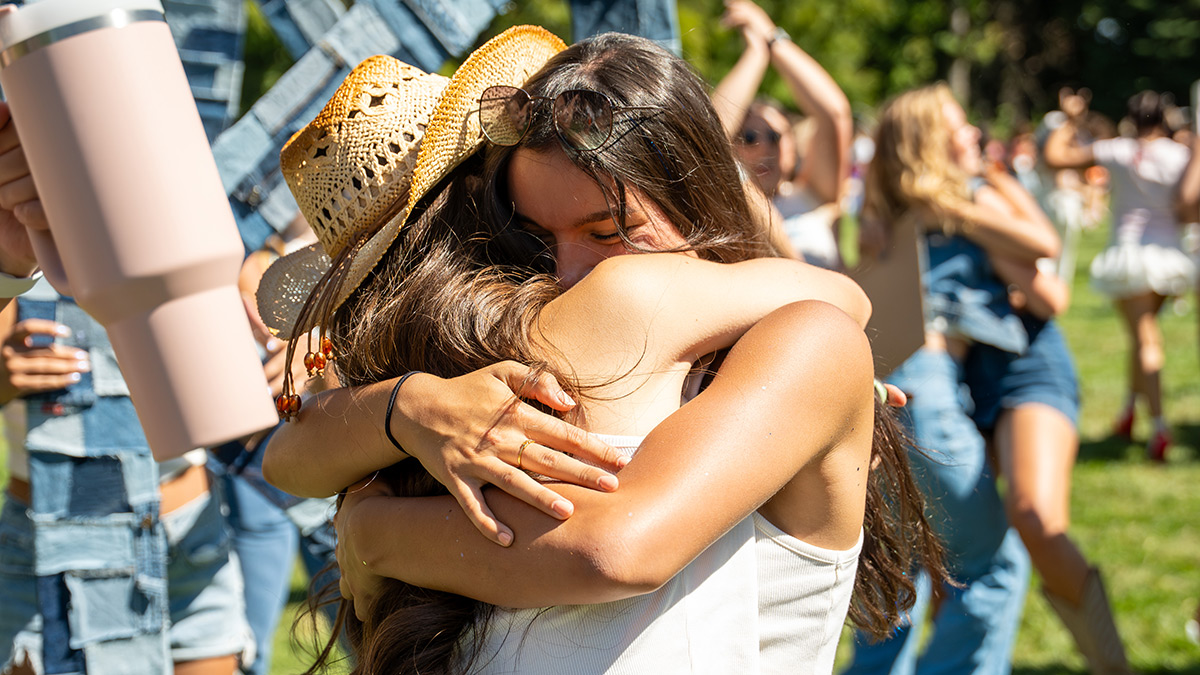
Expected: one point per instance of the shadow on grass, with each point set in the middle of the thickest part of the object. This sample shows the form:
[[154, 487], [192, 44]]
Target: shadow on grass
[[1114, 449], [1110, 449]]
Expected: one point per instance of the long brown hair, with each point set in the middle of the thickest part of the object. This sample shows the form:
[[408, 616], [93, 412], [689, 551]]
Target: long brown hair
[[458, 291]]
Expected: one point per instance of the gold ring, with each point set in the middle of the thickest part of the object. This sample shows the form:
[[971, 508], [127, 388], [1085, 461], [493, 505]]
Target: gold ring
[[521, 451]]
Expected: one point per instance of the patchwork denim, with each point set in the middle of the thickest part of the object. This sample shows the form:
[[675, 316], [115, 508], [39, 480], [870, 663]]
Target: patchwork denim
[[975, 626], [91, 596], [424, 33], [653, 19], [206, 610], [99, 550]]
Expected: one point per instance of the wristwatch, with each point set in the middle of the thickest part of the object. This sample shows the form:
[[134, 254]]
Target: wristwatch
[[779, 34], [11, 287]]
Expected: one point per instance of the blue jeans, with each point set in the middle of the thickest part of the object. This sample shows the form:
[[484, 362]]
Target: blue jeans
[[975, 626], [268, 525]]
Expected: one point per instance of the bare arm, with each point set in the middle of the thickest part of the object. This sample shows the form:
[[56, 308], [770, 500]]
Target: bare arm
[[1005, 220], [1042, 294], [1063, 150], [19, 205], [735, 92], [449, 424], [338, 437], [688, 493], [827, 159]]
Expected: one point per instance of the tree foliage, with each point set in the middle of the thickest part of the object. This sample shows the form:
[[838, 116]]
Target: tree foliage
[[1005, 58]]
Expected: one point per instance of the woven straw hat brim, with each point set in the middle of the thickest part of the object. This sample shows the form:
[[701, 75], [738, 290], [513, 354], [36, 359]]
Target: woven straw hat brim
[[286, 285], [452, 135]]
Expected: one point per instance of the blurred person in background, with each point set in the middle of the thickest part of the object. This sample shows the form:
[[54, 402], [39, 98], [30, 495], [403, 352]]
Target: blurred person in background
[[1144, 262], [992, 298], [801, 176], [926, 175]]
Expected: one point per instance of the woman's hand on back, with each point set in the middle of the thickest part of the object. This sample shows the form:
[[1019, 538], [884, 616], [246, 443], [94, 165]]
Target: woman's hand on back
[[473, 430], [356, 581]]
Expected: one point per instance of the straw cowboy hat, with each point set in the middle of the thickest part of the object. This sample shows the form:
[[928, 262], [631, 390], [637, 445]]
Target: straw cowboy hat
[[389, 134]]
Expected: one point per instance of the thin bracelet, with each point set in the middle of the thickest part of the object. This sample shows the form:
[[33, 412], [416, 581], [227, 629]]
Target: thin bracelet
[[387, 418]]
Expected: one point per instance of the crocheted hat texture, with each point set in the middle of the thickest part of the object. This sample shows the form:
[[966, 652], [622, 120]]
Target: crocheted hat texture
[[389, 134]]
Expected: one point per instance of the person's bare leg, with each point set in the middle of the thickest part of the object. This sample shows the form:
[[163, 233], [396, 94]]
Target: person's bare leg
[[1140, 315], [1036, 446], [219, 665]]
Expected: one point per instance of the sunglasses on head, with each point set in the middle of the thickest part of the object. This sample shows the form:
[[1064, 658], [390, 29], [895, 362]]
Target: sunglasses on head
[[583, 119], [754, 137]]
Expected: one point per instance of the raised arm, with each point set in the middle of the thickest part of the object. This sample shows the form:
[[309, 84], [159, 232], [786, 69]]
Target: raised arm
[[735, 92], [681, 487], [1063, 149], [827, 158]]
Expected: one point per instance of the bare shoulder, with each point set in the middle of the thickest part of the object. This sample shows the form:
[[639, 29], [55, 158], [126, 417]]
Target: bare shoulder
[[637, 287]]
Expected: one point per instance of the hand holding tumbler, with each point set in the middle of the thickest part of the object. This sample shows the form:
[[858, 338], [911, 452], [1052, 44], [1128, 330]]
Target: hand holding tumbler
[[141, 234]]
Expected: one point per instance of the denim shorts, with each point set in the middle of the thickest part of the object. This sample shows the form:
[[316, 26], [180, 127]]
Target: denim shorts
[[1045, 374], [204, 586]]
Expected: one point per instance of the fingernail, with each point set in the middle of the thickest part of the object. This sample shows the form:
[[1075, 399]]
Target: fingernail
[[81, 355], [74, 377], [564, 399], [64, 331], [608, 482], [505, 538], [272, 344], [83, 366], [622, 462], [562, 507]]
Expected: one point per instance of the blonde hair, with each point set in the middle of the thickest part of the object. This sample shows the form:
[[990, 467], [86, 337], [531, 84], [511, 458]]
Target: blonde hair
[[912, 166]]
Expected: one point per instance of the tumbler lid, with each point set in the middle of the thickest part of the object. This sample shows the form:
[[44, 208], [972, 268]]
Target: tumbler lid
[[45, 22]]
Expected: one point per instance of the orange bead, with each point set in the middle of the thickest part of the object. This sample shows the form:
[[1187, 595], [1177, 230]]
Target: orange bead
[[327, 347], [319, 362], [310, 362], [293, 404]]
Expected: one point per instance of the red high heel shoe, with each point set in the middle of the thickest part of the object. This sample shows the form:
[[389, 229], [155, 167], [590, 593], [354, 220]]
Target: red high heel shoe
[[1156, 449]]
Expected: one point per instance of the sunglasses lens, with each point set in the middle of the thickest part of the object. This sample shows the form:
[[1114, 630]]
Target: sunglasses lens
[[504, 114], [583, 118]]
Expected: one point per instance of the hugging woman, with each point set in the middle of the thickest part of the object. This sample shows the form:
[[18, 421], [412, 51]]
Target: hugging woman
[[696, 563]]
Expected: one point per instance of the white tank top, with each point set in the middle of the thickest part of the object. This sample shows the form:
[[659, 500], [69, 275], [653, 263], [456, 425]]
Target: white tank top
[[757, 601]]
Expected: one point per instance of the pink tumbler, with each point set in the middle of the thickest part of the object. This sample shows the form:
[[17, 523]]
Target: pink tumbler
[[137, 212]]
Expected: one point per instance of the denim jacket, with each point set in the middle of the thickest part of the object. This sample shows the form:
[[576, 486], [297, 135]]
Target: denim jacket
[[964, 298], [99, 548]]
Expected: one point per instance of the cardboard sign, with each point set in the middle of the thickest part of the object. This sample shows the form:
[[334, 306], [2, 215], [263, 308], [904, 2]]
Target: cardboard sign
[[893, 283]]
